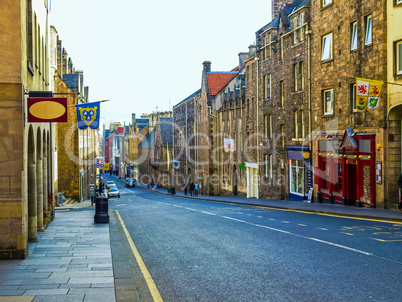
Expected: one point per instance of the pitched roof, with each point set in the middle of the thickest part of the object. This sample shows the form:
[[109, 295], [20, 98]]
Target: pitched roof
[[188, 98], [218, 80], [166, 126], [148, 142]]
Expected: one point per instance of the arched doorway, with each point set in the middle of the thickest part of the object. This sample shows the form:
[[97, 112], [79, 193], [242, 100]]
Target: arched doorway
[[32, 187]]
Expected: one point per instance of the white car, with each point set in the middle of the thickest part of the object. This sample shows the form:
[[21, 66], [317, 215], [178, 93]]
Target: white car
[[113, 192]]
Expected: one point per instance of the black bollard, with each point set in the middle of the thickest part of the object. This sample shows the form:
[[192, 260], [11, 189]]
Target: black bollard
[[101, 210]]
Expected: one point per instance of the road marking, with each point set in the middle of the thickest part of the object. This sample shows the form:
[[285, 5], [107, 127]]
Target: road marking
[[303, 225], [260, 217], [323, 229], [350, 234], [285, 221], [147, 276]]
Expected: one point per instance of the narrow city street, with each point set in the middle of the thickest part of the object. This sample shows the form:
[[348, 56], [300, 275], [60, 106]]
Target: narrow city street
[[203, 251]]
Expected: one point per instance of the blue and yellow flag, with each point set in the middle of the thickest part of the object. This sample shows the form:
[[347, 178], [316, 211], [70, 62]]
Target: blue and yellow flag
[[88, 115]]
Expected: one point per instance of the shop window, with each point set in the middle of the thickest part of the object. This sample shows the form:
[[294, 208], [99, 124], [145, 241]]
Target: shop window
[[368, 35], [339, 183], [325, 178], [296, 176], [353, 36], [365, 146], [326, 47]]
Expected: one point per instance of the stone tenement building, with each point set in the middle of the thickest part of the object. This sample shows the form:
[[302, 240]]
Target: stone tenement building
[[283, 102], [185, 140], [26, 163], [349, 152]]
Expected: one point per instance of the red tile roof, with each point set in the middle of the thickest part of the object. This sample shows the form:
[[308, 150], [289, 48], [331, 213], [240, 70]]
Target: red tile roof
[[218, 80]]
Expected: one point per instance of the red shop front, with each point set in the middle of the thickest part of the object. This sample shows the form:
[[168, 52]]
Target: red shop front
[[346, 168]]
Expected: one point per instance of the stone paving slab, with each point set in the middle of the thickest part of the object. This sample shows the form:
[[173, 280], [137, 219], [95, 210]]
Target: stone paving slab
[[72, 261]]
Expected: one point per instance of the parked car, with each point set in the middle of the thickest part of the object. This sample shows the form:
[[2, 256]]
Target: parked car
[[130, 182], [113, 192], [109, 184]]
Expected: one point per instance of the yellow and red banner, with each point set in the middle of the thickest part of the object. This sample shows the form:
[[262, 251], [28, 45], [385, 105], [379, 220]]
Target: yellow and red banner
[[368, 94]]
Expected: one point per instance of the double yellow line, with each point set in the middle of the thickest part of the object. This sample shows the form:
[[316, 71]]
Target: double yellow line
[[147, 276]]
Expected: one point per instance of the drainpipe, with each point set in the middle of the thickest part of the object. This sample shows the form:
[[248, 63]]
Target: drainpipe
[[308, 32], [258, 137]]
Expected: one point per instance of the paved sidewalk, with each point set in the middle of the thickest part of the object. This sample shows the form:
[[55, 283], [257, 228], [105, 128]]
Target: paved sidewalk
[[336, 209], [71, 262]]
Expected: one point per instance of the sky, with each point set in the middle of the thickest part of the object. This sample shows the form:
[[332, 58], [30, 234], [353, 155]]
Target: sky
[[146, 56]]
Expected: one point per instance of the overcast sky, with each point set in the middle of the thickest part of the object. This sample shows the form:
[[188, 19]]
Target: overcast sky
[[145, 56]]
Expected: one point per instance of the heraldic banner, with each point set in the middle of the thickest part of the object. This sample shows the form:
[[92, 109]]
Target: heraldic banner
[[368, 94], [88, 115]]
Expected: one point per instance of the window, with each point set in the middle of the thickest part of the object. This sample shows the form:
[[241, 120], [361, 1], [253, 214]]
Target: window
[[295, 32], [398, 1], [282, 94], [295, 76], [353, 97], [302, 124], [253, 71], [268, 48], [30, 36], [328, 101], [353, 36], [281, 53], [398, 56], [301, 69], [326, 47], [302, 27], [296, 176], [270, 126], [296, 125], [368, 35], [271, 166], [266, 125], [267, 86], [326, 2], [283, 136]]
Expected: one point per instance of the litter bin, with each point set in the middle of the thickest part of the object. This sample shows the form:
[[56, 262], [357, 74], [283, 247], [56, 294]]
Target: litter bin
[[172, 190], [101, 210]]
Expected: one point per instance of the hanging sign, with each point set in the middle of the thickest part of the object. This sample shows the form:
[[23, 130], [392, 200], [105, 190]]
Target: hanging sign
[[45, 110]]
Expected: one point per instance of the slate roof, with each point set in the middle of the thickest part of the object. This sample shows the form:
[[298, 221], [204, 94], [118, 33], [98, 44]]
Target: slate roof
[[148, 142], [188, 98], [217, 80], [142, 123], [166, 128]]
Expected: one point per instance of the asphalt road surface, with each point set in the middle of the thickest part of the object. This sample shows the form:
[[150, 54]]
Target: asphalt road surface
[[204, 251]]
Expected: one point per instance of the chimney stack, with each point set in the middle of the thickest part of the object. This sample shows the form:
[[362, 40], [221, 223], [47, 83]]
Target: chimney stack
[[243, 57], [207, 66], [277, 5]]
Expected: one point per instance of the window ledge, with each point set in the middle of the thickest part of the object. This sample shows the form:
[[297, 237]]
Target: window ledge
[[326, 6], [328, 114], [327, 60]]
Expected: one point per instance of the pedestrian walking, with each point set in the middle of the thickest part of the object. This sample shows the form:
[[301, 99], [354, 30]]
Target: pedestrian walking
[[192, 187], [196, 188], [399, 181], [185, 188]]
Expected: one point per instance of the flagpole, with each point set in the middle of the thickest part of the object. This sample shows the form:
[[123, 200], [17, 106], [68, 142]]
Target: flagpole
[[102, 101], [391, 83]]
